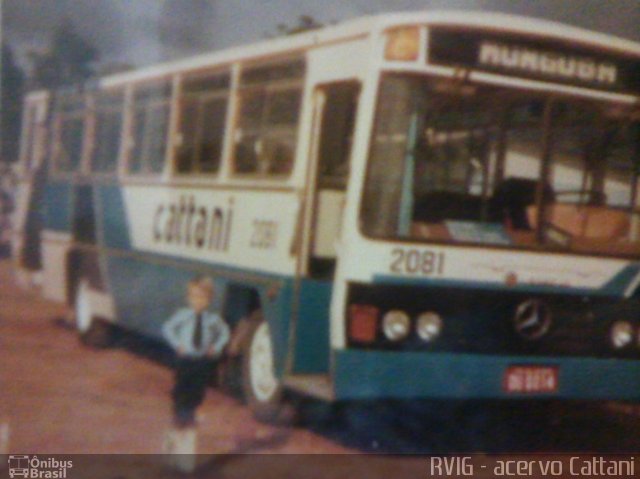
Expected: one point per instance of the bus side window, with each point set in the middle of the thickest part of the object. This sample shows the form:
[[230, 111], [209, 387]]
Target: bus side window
[[29, 126], [337, 135], [108, 130], [151, 121], [69, 133], [334, 151], [269, 107], [203, 113]]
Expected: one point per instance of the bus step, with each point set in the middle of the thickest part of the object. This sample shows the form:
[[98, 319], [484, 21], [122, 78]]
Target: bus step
[[315, 385]]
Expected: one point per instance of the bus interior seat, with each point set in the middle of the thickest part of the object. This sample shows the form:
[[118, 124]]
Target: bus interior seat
[[440, 206], [508, 205], [512, 199], [583, 221]]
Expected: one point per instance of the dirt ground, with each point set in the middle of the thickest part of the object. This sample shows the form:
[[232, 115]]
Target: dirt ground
[[109, 409], [58, 396]]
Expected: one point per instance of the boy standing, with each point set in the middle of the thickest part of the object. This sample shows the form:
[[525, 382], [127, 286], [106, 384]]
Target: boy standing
[[198, 337]]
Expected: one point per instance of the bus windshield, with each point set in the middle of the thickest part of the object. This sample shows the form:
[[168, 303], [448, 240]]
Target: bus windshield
[[453, 161]]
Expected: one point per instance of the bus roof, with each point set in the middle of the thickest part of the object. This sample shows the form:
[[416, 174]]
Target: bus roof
[[366, 25]]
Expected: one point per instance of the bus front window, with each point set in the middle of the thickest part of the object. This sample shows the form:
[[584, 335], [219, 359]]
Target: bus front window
[[466, 163]]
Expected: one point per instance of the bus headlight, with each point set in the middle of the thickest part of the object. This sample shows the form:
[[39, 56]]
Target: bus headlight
[[429, 326], [396, 325], [621, 334]]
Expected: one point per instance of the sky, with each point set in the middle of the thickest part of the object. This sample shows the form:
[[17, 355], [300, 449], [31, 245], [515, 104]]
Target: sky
[[141, 32]]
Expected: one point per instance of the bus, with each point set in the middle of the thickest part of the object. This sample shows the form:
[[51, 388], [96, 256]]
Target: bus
[[415, 205], [18, 466]]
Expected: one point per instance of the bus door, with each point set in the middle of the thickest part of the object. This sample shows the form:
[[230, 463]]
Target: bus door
[[27, 220], [334, 116]]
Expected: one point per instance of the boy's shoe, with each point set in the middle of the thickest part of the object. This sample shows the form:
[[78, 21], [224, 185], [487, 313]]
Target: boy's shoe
[[180, 447]]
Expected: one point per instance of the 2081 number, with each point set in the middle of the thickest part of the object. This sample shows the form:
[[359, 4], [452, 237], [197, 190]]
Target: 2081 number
[[413, 261]]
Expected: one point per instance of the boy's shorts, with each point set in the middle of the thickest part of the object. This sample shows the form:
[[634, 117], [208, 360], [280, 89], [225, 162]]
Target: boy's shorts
[[191, 380]]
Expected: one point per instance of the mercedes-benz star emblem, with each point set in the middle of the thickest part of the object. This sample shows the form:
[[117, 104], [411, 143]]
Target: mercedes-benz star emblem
[[532, 319]]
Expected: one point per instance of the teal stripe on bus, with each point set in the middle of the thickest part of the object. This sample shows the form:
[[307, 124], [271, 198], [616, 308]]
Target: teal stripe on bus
[[621, 281], [386, 374], [147, 288], [111, 214], [312, 328], [57, 207]]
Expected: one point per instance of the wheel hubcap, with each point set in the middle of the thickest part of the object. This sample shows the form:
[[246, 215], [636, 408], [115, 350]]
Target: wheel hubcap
[[263, 382]]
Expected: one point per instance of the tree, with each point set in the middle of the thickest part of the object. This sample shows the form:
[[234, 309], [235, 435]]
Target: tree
[[69, 59], [12, 82]]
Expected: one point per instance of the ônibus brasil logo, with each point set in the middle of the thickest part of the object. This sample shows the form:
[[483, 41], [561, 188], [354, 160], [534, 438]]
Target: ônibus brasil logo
[[33, 467]]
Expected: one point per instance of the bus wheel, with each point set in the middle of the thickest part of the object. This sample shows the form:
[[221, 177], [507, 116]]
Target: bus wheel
[[261, 388], [93, 331]]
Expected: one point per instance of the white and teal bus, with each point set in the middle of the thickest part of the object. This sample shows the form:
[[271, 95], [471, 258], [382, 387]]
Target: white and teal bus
[[432, 205]]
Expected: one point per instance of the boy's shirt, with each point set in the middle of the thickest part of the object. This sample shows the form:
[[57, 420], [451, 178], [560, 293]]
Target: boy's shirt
[[181, 331]]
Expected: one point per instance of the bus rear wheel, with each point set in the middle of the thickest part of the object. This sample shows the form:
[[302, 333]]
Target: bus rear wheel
[[261, 387], [92, 330]]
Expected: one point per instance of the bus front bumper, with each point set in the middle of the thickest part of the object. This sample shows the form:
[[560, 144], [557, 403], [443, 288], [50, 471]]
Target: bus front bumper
[[384, 374]]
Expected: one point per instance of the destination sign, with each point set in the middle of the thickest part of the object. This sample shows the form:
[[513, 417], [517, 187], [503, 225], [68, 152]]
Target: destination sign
[[534, 58]]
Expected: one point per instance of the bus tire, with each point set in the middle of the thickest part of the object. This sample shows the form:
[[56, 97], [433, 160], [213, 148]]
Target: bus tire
[[262, 390], [92, 331]]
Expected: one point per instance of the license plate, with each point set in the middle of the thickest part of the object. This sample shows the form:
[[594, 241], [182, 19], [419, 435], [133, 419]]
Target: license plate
[[530, 379]]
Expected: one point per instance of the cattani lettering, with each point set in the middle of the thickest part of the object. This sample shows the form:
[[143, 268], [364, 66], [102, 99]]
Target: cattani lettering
[[547, 63], [185, 222], [599, 466]]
